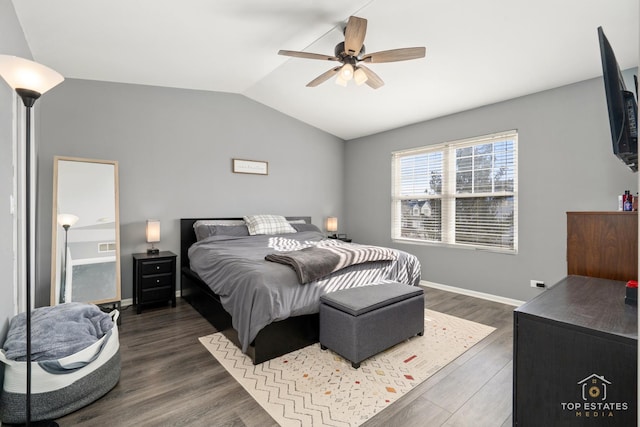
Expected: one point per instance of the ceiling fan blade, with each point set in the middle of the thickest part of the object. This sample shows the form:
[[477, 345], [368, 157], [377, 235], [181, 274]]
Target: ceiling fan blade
[[354, 35], [323, 77], [394, 55], [373, 80], [307, 55]]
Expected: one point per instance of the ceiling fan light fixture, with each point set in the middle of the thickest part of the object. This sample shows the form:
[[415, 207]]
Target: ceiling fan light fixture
[[359, 76], [346, 72], [351, 52]]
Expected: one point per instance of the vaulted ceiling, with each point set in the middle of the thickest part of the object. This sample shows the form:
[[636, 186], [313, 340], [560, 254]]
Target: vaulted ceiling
[[478, 52]]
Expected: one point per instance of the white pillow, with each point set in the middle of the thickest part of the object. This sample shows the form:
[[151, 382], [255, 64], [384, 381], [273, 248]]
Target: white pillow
[[268, 224]]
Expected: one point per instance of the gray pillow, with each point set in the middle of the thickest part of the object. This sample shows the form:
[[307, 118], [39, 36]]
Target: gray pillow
[[206, 230], [305, 227]]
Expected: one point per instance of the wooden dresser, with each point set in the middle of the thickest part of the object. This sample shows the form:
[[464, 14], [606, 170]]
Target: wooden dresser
[[603, 244]]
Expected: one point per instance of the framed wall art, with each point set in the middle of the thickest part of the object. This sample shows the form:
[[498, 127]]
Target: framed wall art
[[255, 167]]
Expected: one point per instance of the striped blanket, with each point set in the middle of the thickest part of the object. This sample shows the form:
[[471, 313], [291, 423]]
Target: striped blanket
[[320, 260]]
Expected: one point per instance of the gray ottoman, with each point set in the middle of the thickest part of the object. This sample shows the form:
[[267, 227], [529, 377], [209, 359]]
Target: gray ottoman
[[358, 323]]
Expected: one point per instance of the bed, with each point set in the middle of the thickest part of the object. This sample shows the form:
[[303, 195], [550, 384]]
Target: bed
[[270, 313]]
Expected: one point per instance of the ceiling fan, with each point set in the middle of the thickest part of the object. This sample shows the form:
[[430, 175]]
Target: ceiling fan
[[351, 54]]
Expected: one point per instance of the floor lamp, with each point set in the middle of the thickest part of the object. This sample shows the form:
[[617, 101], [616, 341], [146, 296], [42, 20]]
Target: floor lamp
[[30, 80], [66, 221]]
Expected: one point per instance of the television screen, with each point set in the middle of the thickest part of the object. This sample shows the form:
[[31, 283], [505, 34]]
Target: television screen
[[622, 107]]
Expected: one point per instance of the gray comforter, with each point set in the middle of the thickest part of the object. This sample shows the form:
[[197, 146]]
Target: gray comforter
[[257, 292]]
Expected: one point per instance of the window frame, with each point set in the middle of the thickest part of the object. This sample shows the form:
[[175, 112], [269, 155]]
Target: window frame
[[449, 195]]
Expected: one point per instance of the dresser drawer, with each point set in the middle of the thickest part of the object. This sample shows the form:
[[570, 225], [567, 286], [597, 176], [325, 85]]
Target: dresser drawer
[[156, 281], [156, 267]]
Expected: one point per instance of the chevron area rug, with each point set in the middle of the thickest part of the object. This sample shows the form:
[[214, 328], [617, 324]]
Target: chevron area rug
[[315, 387]]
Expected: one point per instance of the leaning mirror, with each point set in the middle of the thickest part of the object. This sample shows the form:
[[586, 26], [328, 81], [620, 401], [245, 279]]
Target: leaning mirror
[[85, 258]]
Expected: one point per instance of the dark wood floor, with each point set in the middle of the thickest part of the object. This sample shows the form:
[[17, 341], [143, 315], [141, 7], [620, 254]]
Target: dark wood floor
[[169, 379]]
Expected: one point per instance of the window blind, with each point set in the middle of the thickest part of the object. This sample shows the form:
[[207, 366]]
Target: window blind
[[458, 193]]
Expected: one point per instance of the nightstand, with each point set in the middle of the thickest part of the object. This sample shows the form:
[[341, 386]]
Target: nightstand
[[154, 279], [342, 237]]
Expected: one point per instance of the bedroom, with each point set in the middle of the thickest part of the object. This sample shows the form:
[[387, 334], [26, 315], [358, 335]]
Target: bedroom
[[155, 132]]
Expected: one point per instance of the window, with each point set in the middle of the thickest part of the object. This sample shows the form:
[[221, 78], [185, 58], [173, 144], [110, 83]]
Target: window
[[462, 193]]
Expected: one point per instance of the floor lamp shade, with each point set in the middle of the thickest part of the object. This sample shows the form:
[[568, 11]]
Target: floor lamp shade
[[68, 220], [20, 73], [29, 80]]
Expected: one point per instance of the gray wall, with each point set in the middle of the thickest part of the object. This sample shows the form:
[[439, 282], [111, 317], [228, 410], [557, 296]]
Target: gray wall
[[174, 148], [565, 164]]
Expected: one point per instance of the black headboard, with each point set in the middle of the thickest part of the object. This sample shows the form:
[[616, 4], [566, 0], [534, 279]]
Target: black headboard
[[188, 234]]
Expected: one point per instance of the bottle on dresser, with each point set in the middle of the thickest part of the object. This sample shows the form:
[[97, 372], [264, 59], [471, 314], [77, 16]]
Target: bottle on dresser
[[627, 201]]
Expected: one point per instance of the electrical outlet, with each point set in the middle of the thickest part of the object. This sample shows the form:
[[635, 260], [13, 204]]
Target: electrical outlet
[[538, 284]]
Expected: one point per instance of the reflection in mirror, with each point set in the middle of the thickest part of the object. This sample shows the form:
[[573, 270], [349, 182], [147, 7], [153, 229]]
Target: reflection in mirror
[[85, 258]]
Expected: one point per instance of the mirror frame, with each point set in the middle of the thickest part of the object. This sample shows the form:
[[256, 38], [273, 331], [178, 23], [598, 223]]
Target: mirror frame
[[55, 227]]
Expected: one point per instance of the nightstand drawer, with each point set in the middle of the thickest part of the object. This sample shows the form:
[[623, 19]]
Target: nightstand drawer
[[156, 281], [157, 267], [157, 294]]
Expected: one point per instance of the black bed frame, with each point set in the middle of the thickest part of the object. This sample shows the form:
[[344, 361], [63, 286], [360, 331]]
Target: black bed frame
[[273, 340]]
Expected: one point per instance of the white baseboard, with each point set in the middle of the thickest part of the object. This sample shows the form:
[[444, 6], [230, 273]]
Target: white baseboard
[[476, 294]]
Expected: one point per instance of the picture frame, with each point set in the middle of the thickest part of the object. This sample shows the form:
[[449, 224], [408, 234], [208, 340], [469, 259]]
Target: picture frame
[[253, 167]]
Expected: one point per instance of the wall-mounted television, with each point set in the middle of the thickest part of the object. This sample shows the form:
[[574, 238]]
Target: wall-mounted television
[[622, 107]]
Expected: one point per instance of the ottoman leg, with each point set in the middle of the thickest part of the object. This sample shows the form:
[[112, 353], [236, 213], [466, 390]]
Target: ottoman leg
[[323, 347], [355, 365]]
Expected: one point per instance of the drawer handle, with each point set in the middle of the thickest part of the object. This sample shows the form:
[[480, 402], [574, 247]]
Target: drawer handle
[[157, 267], [157, 280]]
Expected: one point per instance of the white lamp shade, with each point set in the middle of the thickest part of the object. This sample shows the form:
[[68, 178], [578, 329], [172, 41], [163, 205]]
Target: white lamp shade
[[20, 73], [332, 224], [340, 81], [67, 219], [359, 76], [346, 72], [153, 231]]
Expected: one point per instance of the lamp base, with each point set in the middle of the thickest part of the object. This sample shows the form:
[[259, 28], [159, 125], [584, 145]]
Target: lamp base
[[153, 251]]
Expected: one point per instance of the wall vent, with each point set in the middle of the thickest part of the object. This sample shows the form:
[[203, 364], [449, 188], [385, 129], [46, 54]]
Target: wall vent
[[107, 247]]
